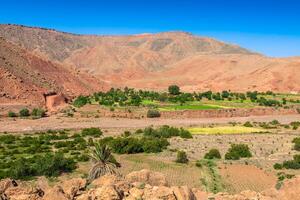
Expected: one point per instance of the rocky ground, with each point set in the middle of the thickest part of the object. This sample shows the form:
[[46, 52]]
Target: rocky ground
[[57, 122], [142, 184]]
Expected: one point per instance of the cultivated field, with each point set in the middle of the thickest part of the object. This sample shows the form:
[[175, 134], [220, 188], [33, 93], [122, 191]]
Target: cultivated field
[[269, 144]]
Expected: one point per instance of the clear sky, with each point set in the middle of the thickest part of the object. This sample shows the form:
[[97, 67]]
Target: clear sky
[[271, 27]]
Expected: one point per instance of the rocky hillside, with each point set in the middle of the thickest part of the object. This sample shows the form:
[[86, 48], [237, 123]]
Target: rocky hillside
[[26, 77], [76, 64], [142, 184]]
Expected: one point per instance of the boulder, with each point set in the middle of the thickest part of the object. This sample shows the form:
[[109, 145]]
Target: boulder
[[113, 180], [56, 193], [24, 193], [183, 193], [159, 192], [73, 187], [106, 193], [199, 194], [135, 193], [147, 177], [7, 183]]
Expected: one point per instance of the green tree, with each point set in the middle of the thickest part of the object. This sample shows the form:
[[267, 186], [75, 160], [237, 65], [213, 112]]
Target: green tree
[[12, 114], [24, 112], [81, 101], [174, 90], [213, 153], [237, 151]]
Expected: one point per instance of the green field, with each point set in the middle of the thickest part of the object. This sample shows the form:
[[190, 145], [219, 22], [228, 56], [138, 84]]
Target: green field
[[190, 107], [226, 130], [193, 105]]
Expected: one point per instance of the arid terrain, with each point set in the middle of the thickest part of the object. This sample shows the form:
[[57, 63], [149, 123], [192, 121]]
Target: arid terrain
[[88, 63], [170, 116]]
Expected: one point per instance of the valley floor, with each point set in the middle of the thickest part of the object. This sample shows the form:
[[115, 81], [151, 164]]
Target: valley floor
[[56, 122]]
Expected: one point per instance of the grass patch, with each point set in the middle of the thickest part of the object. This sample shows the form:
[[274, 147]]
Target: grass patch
[[225, 130], [211, 180], [190, 107]]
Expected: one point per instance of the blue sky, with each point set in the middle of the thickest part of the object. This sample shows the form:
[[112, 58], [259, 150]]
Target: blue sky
[[271, 27]]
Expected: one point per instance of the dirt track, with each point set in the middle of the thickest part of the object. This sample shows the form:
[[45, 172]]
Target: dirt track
[[53, 122]]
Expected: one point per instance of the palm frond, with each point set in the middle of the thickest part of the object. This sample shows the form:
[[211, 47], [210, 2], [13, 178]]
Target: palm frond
[[104, 162]]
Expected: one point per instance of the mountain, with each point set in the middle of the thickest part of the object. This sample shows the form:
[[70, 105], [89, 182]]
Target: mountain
[[27, 78], [152, 61]]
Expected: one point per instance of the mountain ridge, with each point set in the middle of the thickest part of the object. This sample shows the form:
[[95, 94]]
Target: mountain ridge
[[146, 61]]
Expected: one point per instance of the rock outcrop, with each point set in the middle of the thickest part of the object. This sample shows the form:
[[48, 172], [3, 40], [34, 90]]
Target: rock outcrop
[[136, 185]]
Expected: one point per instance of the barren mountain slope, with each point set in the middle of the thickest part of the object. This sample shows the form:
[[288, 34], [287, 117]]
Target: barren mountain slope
[[129, 55], [158, 60], [219, 72], [25, 77]]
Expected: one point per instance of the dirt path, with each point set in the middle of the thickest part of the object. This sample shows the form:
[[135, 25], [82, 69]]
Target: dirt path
[[53, 122]]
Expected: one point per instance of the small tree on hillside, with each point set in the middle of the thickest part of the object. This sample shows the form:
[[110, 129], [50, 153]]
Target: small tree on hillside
[[174, 89], [24, 112]]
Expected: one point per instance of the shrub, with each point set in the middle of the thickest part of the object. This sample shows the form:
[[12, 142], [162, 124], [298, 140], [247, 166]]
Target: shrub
[[95, 132], [21, 169], [248, 124], [237, 151], [275, 122], [181, 157], [185, 134], [38, 112], [126, 145], [53, 165], [213, 153], [24, 112], [47, 165], [12, 114], [174, 90], [83, 158], [153, 113], [131, 145], [167, 132], [81, 101], [291, 164], [277, 166], [296, 142], [154, 145]]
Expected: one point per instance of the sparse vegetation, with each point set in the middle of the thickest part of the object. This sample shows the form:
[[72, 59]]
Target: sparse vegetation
[[38, 112], [213, 182], [237, 151], [81, 101], [182, 157], [47, 165], [153, 113], [213, 154], [12, 114], [248, 124], [24, 112], [296, 142]]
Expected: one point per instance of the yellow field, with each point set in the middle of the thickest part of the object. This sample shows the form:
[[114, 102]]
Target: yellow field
[[226, 130]]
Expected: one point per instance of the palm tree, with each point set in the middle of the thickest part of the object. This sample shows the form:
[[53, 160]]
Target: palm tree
[[104, 162]]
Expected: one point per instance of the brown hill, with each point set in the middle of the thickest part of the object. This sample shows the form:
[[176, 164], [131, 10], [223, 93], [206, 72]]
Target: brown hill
[[26, 78], [151, 61]]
